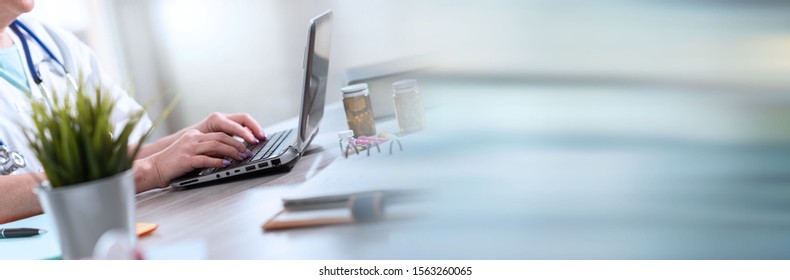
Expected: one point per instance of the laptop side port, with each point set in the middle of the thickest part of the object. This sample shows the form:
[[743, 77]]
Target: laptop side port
[[189, 182]]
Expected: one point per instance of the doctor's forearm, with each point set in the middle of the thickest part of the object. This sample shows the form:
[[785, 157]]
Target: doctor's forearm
[[17, 200]]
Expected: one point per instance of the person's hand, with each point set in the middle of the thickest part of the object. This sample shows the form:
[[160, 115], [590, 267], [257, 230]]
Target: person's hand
[[242, 125], [192, 150]]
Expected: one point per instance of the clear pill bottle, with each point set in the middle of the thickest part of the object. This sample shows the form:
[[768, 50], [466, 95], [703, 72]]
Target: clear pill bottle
[[408, 106], [346, 140], [359, 111]]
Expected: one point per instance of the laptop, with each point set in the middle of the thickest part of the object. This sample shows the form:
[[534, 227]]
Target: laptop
[[283, 148]]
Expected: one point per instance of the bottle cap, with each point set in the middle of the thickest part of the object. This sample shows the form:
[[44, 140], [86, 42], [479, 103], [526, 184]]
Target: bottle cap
[[404, 84], [345, 134], [355, 89]]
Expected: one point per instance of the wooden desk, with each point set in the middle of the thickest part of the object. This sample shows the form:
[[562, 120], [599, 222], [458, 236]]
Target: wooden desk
[[228, 217]]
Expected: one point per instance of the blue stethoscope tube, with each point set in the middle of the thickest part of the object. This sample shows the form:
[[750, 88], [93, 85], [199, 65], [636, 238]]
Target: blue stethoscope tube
[[34, 72]]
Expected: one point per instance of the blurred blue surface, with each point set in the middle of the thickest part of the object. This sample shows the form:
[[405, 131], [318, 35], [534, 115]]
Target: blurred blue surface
[[40, 247], [528, 170]]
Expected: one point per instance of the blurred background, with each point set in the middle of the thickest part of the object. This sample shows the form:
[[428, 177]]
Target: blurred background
[[586, 129], [245, 50]]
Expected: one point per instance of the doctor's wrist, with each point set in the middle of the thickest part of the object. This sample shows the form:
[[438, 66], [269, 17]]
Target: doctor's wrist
[[147, 175]]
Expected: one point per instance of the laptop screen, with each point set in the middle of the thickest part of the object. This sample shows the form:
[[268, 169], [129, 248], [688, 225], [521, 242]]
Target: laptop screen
[[316, 71]]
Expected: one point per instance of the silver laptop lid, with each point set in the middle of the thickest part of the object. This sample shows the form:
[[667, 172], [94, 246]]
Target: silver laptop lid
[[316, 70]]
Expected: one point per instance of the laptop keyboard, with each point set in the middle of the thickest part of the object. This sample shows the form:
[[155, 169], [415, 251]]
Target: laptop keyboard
[[261, 151]]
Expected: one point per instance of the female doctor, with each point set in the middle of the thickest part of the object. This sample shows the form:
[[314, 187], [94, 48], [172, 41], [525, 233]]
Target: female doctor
[[35, 57]]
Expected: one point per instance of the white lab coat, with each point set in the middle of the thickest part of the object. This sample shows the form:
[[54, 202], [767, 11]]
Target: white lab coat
[[79, 60]]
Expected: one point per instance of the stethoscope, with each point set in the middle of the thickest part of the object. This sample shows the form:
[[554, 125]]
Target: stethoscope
[[11, 161], [17, 26]]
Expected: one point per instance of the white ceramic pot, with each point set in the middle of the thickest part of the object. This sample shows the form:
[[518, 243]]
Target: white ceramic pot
[[84, 212]]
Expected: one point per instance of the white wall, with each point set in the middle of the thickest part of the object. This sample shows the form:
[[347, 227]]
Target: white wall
[[226, 56], [246, 55]]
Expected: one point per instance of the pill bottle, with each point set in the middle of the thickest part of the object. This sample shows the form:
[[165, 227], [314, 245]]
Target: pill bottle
[[408, 106], [359, 112]]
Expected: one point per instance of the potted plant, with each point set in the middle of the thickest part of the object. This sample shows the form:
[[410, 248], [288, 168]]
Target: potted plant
[[90, 180]]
